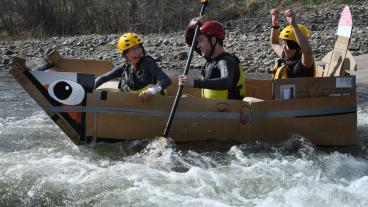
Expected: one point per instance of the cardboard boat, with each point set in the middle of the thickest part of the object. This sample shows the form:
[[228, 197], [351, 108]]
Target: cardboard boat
[[321, 109]]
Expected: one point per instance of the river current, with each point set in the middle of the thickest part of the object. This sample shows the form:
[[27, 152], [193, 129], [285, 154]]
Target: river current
[[40, 166]]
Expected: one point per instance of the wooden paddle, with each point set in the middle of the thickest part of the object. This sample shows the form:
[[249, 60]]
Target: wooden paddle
[[180, 89]]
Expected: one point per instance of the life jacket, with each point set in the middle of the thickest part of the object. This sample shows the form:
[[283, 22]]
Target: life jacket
[[238, 91], [280, 70], [132, 83], [284, 69]]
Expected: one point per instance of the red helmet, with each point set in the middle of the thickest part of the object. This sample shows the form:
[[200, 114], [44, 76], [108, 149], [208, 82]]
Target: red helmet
[[213, 28]]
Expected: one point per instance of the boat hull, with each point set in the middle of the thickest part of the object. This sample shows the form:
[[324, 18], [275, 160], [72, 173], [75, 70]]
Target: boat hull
[[320, 109]]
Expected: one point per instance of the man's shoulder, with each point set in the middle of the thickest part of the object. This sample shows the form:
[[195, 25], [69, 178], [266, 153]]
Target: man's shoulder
[[228, 57]]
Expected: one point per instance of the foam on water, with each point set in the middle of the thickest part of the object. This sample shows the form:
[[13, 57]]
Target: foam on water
[[277, 176], [40, 166], [362, 129], [363, 116], [37, 130]]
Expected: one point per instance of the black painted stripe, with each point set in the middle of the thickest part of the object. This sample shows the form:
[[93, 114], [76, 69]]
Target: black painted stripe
[[333, 111], [321, 115], [104, 95], [55, 118], [46, 95]]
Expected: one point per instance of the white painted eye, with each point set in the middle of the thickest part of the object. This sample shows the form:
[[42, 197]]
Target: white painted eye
[[66, 92]]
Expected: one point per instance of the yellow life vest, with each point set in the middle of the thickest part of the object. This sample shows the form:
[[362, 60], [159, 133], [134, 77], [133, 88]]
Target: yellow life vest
[[223, 94], [280, 72]]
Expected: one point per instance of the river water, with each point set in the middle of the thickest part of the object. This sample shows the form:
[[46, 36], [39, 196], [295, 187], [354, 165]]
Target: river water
[[40, 166]]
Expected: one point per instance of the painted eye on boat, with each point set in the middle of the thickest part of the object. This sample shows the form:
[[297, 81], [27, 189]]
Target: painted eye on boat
[[66, 92]]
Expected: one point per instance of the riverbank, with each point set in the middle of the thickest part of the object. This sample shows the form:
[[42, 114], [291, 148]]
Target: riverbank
[[247, 37]]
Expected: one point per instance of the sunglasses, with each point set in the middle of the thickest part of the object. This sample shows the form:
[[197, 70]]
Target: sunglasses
[[291, 44]]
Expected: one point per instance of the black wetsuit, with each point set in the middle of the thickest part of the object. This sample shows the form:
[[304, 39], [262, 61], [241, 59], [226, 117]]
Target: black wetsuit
[[219, 73], [147, 73], [295, 67]]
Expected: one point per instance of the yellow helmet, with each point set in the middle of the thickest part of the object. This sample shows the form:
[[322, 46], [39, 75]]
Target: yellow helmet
[[128, 40], [288, 32]]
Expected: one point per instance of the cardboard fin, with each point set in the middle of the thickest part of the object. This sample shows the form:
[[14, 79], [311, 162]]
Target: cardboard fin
[[337, 58], [97, 67], [349, 65]]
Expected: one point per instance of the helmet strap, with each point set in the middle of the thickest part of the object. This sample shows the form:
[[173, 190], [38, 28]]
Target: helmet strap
[[212, 45], [144, 51]]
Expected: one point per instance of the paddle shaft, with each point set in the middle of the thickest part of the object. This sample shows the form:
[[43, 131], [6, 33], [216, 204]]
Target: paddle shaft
[[180, 89]]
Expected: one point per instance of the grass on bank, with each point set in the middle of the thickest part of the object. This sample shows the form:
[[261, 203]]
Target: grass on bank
[[45, 18]]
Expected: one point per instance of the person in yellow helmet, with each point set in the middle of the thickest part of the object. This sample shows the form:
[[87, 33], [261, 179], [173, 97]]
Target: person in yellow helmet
[[292, 46], [139, 72]]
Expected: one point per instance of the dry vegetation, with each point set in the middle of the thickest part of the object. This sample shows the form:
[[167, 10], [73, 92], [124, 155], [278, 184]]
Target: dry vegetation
[[42, 18]]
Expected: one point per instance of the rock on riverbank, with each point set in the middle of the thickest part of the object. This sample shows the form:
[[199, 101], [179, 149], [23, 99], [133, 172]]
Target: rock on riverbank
[[248, 37]]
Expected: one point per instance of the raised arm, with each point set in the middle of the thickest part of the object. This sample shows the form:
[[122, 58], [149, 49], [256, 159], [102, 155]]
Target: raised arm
[[189, 32], [307, 53], [275, 32]]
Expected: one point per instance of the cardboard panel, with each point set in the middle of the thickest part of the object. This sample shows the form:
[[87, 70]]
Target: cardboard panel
[[259, 89], [337, 57], [319, 70], [201, 119], [223, 119], [325, 120], [349, 66], [314, 87], [191, 121], [121, 116], [252, 126], [97, 67]]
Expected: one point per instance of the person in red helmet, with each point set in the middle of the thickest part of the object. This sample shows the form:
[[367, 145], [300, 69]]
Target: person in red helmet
[[222, 74]]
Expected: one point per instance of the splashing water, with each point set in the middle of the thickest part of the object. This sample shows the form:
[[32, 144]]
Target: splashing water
[[39, 166]]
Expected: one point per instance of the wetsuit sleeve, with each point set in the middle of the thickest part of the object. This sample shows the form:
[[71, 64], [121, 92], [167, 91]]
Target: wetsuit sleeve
[[163, 78], [155, 71], [224, 82], [114, 73]]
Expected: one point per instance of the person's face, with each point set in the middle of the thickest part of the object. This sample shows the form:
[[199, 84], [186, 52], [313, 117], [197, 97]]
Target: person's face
[[134, 54], [204, 46], [289, 51]]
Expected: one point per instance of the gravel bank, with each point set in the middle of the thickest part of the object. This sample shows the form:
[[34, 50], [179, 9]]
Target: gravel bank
[[247, 37]]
